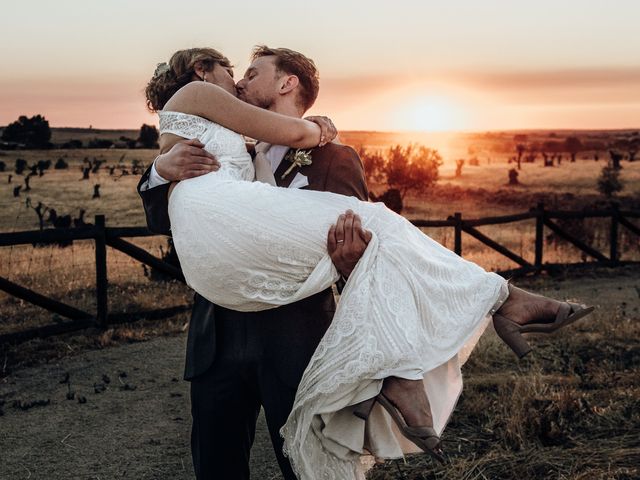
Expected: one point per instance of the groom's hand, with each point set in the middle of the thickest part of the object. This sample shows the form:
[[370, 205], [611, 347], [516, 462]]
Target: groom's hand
[[186, 159], [346, 242]]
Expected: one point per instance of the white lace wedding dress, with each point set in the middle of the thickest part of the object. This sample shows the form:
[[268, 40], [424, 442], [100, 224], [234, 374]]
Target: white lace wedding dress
[[411, 308]]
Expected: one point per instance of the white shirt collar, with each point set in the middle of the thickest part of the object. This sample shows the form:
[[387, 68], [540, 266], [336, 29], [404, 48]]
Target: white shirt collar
[[275, 155]]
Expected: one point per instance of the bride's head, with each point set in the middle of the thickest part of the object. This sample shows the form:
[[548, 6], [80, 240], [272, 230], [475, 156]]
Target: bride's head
[[185, 66]]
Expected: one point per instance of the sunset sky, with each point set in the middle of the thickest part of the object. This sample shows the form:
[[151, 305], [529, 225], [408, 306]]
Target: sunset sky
[[401, 65]]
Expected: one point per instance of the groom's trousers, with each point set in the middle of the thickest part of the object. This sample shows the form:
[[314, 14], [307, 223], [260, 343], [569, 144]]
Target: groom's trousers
[[259, 361]]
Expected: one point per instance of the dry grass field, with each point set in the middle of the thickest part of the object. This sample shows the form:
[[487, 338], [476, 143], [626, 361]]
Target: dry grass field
[[570, 411]]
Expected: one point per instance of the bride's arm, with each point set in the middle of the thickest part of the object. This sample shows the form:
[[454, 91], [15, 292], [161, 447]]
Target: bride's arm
[[215, 104]]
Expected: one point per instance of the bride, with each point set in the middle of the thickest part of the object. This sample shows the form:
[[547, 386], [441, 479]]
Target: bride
[[411, 309]]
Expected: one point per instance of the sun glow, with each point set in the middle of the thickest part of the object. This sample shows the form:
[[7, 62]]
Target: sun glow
[[432, 113]]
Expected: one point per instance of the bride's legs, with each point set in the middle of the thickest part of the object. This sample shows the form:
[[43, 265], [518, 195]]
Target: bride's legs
[[409, 395], [410, 399], [407, 403], [525, 307], [525, 312]]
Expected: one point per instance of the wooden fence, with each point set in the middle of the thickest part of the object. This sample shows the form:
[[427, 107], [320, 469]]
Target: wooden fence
[[104, 236]]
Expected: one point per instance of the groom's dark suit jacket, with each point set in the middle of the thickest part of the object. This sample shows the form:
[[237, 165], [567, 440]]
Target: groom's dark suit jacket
[[335, 168]]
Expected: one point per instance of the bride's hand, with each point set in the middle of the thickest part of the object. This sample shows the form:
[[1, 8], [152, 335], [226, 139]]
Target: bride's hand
[[328, 130]]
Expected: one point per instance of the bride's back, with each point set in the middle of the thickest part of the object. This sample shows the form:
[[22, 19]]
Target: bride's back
[[227, 146]]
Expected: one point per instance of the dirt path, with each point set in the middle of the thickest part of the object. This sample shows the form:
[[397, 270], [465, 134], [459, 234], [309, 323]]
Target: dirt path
[[137, 426], [129, 415]]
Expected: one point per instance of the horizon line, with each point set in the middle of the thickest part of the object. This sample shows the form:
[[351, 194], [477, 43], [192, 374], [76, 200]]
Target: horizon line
[[543, 129]]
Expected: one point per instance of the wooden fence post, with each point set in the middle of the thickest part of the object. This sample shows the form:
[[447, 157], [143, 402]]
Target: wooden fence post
[[101, 272], [613, 238], [539, 235], [457, 242]]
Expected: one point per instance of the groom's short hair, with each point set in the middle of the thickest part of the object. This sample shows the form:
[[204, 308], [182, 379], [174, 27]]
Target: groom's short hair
[[294, 63]]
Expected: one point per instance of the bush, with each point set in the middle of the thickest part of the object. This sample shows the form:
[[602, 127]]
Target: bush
[[129, 142], [61, 164], [100, 143], [72, 144]]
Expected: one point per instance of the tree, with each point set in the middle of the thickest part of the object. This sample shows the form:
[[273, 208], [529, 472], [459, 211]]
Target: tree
[[43, 165], [552, 146], [616, 158], [402, 169], [411, 168], [21, 165], [520, 149], [148, 136], [573, 146], [513, 177], [633, 147], [34, 132], [373, 163], [609, 181]]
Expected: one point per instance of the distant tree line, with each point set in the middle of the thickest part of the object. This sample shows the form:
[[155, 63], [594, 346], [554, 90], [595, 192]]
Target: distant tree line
[[35, 133], [553, 151]]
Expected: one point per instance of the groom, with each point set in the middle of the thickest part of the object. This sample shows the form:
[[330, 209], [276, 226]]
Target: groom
[[238, 361]]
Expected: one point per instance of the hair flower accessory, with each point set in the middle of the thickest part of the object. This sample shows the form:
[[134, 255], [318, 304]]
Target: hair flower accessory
[[161, 69]]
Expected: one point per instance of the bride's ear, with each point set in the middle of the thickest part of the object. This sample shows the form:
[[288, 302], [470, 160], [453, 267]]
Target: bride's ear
[[199, 70], [290, 83]]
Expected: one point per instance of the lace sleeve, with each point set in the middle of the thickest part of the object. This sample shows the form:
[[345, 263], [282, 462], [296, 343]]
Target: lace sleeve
[[182, 124]]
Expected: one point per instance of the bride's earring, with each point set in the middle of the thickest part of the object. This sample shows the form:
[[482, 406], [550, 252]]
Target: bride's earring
[[204, 77]]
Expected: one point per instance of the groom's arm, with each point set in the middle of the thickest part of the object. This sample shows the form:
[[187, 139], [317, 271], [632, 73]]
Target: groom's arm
[[186, 159], [345, 175]]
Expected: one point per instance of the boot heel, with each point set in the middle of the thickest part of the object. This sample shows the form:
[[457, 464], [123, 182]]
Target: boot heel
[[511, 334], [363, 409]]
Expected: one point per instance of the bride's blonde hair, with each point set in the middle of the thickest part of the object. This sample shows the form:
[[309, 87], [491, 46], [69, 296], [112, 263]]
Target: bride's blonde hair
[[171, 77]]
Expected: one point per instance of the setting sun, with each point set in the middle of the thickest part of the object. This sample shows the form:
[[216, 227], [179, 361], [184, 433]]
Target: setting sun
[[429, 113]]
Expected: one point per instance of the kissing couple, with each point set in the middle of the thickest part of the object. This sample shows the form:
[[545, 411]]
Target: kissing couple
[[262, 233]]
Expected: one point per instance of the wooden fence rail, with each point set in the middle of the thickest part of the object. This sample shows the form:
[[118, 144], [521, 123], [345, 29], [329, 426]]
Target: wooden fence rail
[[113, 237]]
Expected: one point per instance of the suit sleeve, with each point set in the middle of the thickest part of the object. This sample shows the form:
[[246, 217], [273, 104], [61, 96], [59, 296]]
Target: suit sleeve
[[156, 205], [346, 175]]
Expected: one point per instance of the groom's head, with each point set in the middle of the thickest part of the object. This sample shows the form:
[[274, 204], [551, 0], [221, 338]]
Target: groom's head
[[280, 79]]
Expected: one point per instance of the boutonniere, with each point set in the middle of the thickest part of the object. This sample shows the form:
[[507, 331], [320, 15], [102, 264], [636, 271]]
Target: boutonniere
[[298, 158]]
